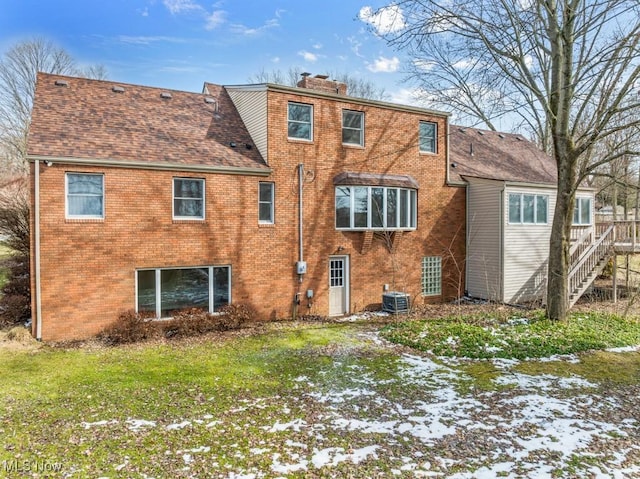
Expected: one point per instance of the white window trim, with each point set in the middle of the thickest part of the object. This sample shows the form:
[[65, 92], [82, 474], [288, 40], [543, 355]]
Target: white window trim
[[412, 218], [535, 209], [158, 282], [271, 203], [361, 129], [173, 199], [295, 138], [435, 138], [578, 204], [66, 197]]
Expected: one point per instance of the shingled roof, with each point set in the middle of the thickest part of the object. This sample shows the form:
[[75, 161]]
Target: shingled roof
[[77, 118], [498, 156]]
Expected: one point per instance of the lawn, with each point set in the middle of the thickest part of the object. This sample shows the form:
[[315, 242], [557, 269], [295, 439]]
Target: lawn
[[313, 400]]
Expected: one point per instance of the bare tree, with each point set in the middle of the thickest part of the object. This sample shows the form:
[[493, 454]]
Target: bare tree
[[18, 69], [566, 70], [356, 86]]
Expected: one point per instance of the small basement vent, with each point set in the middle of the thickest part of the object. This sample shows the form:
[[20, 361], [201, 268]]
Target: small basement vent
[[395, 302]]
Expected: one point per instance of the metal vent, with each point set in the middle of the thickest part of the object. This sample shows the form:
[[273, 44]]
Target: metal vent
[[209, 99], [395, 302], [117, 89], [61, 83], [165, 94]]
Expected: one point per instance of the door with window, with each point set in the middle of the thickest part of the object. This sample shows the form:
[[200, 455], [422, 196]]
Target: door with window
[[338, 285]]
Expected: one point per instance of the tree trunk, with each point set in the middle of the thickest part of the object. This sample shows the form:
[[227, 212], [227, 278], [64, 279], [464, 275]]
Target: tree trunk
[[560, 242]]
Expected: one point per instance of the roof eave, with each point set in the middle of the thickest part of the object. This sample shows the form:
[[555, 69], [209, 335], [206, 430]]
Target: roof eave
[[112, 163]]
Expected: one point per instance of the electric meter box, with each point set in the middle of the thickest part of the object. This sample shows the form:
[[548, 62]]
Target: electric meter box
[[301, 267]]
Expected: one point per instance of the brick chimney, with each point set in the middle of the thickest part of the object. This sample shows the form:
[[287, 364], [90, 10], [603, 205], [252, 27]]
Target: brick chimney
[[321, 83]]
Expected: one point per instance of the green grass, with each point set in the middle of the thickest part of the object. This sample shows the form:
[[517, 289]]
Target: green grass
[[73, 406], [527, 336]]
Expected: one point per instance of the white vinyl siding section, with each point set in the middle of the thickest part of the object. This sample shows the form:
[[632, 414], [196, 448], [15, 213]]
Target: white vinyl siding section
[[484, 269], [252, 107], [526, 251]]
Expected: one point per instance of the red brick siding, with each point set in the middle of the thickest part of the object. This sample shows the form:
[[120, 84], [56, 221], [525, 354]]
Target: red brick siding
[[88, 267]]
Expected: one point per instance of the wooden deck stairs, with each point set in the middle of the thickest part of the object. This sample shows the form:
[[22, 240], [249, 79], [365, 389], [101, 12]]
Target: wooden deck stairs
[[591, 252]]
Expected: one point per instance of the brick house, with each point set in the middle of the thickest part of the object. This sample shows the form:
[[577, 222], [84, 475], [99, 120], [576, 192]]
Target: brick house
[[294, 200]]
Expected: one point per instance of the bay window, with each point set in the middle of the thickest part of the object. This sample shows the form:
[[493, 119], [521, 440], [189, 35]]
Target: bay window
[[375, 208]]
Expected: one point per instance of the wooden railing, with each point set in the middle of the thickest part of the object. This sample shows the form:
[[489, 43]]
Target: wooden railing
[[627, 234], [589, 261]]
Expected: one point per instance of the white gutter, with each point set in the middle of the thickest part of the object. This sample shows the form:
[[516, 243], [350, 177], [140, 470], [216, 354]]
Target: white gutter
[[229, 170], [36, 215]]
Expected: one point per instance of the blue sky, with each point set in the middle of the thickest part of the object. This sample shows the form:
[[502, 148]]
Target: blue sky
[[180, 44]]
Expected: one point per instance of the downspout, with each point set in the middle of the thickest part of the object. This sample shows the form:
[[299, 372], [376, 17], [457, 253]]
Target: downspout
[[36, 214], [300, 177], [501, 242]]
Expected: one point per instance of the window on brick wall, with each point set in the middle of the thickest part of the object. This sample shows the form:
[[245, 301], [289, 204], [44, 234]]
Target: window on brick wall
[[165, 291], [188, 198], [266, 203], [352, 127], [427, 137], [85, 195], [375, 208], [431, 276], [300, 121]]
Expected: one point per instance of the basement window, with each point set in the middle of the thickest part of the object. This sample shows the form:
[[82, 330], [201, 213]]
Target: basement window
[[169, 290]]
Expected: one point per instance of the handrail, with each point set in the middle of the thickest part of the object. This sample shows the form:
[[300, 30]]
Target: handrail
[[587, 234], [590, 258]]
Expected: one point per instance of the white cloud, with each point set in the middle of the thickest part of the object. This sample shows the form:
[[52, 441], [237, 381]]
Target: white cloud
[[317, 46], [385, 20], [308, 56], [215, 19], [275, 60], [248, 31], [181, 6], [384, 65], [355, 46], [404, 96], [142, 40], [424, 65]]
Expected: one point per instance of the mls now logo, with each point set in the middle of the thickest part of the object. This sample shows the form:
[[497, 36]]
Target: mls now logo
[[16, 466]]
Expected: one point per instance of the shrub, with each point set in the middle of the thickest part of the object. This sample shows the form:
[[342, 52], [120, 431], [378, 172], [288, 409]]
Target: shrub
[[15, 301], [134, 327], [130, 327]]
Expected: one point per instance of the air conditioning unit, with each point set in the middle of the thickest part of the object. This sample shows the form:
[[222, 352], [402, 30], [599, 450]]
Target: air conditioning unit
[[395, 302]]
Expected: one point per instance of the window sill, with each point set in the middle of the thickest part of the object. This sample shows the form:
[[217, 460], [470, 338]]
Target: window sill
[[352, 145], [266, 225], [300, 140], [188, 221], [430, 153], [84, 220], [375, 230]]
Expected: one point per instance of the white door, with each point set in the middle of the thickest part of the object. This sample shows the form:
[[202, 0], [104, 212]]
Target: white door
[[338, 285]]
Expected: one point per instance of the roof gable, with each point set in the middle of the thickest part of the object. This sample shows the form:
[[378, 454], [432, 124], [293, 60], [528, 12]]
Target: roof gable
[[102, 120], [497, 156]]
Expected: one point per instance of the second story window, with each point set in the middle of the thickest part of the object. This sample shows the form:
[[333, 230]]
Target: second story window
[[188, 198], [265, 203], [528, 209], [85, 195], [300, 121], [427, 137], [352, 127], [582, 211]]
